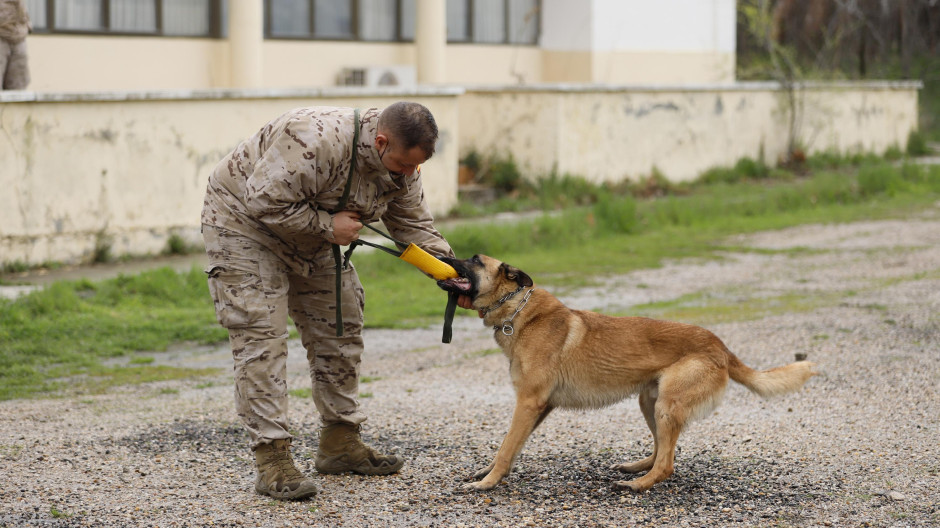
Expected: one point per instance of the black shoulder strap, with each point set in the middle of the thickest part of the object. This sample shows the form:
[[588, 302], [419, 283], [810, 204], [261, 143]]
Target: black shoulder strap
[[337, 257]]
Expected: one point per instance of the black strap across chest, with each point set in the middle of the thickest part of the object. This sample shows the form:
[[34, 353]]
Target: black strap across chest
[[337, 256]]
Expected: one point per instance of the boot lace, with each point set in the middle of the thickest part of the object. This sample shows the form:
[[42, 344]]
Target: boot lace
[[285, 464]]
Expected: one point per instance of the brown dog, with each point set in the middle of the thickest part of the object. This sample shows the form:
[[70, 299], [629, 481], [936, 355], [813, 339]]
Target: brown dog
[[560, 357]]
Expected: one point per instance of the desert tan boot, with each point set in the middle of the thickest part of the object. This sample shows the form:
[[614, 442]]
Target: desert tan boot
[[278, 477], [341, 450]]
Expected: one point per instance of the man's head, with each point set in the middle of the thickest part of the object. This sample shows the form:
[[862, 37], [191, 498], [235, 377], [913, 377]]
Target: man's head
[[405, 137]]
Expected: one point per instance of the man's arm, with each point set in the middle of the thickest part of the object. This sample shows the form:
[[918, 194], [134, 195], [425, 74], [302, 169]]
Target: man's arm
[[408, 218]]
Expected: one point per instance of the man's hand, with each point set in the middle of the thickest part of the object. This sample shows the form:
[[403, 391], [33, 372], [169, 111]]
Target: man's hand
[[346, 226], [464, 301]]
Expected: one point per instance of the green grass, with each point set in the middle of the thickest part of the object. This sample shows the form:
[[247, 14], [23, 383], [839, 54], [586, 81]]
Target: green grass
[[59, 339], [68, 328]]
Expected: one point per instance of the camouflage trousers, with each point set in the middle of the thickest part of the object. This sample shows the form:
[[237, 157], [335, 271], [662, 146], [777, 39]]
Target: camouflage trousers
[[14, 71], [254, 291]]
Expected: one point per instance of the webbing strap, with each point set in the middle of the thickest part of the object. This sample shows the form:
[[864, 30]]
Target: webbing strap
[[337, 257], [449, 316]]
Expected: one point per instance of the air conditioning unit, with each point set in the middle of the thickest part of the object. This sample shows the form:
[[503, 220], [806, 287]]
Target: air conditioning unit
[[376, 76]]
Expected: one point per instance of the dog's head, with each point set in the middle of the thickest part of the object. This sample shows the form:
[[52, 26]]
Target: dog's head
[[484, 279]]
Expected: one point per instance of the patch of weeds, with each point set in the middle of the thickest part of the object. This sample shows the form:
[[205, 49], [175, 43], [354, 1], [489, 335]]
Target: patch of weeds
[[141, 360], [917, 144], [15, 266], [104, 244], [365, 394], [483, 353], [176, 245], [368, 379], [205, 385], [58, 514], [703, 308], [98, 380], [301, 393], [893, 153]]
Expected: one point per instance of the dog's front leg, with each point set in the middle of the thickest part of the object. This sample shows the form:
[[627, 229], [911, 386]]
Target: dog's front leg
[[528, 413]]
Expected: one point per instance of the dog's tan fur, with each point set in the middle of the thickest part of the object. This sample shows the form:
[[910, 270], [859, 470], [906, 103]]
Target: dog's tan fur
[[578, 359]]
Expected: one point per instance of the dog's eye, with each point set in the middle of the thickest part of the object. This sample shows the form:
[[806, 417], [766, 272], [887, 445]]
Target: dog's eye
[[476, 259]]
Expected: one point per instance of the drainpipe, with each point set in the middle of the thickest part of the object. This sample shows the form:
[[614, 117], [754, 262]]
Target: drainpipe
[[246, 37], [431, 41]]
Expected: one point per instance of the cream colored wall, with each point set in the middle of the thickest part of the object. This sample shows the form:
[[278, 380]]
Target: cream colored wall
[[617, 133], [95, 63], [493, 64], [675, 67], [304, 64], [624, 67], [92, 63], [133, 170]]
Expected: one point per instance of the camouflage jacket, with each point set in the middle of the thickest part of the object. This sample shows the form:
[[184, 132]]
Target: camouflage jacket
[[280, 186], [14, 21]]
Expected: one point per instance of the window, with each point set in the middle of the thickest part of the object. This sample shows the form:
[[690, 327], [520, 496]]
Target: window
[[332, 19], [378, 19], [458, 21], [523, 21], [469, 21], [375, 20], [191, 18], [493, 21]]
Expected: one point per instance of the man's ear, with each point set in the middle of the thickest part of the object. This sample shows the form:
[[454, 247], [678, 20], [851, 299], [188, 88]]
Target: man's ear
[[515, 274], [381, 141]]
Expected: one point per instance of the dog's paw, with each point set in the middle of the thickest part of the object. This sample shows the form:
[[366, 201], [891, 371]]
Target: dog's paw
[[478, 486], [480, 475], [634, 467], [631, 485]]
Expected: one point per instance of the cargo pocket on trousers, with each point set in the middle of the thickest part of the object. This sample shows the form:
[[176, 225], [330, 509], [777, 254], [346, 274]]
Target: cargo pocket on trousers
[[238, 297]]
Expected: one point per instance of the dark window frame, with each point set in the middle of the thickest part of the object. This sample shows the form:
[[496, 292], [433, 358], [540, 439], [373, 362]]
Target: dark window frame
[[507, 28], [215, 23], [354, 34]]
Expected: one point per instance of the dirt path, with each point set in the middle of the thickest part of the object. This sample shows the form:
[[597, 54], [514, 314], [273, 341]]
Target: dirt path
[[858, 446]]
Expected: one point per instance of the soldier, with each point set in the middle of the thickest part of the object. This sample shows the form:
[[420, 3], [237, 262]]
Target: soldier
[[14, 26], [273, 209]]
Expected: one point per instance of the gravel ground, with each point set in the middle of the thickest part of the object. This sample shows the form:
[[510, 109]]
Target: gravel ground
[[858, 446]]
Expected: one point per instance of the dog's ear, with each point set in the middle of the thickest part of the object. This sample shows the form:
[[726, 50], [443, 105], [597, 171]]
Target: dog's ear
[[515, 274]]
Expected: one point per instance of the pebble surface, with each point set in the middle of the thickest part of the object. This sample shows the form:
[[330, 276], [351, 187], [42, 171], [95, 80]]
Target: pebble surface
[[858, 446]]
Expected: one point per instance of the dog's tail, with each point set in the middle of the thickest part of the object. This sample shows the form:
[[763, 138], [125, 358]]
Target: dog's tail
[[772, 382]]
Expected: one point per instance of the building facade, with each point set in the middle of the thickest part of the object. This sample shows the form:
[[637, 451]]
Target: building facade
[[99, 45]]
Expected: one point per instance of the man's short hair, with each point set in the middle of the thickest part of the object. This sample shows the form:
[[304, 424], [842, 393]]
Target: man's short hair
[[411, 124]]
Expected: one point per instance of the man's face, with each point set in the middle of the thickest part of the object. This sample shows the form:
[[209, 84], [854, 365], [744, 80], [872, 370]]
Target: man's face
[[396, 159]]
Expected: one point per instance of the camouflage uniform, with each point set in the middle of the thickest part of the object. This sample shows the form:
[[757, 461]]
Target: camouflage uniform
[[14, 26], [268, 232]]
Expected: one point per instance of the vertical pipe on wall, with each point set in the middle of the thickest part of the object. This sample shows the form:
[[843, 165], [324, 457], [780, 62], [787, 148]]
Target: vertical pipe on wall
[[246, 37], [431, 41]]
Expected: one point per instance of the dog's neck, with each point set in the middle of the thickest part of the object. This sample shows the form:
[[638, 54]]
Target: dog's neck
[[506, 324], [497, 304]]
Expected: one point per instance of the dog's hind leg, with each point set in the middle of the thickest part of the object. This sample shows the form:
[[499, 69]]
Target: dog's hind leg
[[688, 389], [529, 412], [647, 405]]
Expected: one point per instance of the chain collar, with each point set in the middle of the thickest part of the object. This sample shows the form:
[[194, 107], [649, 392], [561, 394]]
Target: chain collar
[[500, 302], [506, 327]]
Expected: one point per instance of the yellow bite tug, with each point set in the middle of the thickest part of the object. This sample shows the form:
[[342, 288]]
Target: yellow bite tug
[[427, 263]]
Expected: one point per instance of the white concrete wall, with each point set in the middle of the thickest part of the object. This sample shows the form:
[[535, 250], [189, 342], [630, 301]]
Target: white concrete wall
[[615, 133], [638, 41], [132, 167]]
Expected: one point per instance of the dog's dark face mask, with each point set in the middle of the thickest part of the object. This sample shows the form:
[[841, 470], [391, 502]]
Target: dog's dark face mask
[[483, 277]]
